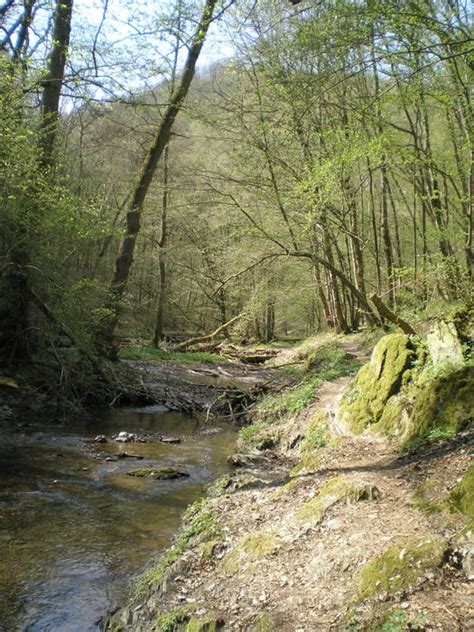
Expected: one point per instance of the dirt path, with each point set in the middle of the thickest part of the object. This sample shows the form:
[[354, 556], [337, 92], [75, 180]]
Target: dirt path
[[293, 545]]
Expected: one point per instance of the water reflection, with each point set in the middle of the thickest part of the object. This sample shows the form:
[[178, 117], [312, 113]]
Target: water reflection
[[74, 528]]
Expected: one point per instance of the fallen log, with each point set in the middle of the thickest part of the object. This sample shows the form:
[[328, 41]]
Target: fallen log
[[387, 314], [247, 356], [200, 339]]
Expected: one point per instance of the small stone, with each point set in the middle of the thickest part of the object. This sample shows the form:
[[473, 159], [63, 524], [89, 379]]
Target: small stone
[[101, 439], [170, 440]]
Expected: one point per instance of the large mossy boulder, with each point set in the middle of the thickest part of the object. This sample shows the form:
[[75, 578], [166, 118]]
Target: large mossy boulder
[[379, 380], [443, 405]]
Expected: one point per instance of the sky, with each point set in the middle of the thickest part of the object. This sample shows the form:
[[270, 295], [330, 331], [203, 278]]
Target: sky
[[133, 47]]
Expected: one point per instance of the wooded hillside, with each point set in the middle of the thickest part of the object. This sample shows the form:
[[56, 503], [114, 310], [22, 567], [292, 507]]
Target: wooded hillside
[[329, 158]]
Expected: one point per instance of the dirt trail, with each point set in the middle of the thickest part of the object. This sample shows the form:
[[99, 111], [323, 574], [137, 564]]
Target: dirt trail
[[285, 563]]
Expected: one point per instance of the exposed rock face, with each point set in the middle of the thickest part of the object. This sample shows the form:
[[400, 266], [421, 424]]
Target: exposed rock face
[[443, 343]]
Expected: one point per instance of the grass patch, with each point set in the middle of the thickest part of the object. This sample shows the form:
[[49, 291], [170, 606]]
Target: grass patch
[[332, 361], [461, 498], [200, 525], [153, 354], [317, 435], [283, 406]]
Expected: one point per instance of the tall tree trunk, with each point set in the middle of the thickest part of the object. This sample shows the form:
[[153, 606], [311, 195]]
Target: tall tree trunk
[[15, 336], [53, 81], [123, 263], [158, 333]]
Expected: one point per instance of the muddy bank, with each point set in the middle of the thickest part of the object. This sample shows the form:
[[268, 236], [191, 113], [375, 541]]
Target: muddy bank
[[225, 390]]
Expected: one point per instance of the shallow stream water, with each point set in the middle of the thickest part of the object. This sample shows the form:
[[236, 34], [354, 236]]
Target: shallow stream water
[[75, 528]]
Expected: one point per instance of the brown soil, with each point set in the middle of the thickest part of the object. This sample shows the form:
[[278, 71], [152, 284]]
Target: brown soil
[[307, 579]]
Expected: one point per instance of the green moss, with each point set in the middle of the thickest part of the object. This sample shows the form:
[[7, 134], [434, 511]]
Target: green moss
[[308, 463], [399, 567], [170, 621], [333, 491], [394, 419], [200, 524], [251, 548], [461, 497], [377, 381], [208, 623], [262, 623], [444, 405], [463, 318]]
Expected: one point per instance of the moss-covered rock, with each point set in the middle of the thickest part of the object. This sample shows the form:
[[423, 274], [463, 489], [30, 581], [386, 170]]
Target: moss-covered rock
[[159, 473], [208, 623], [251, 548], [444, 343], [394, 419], [463, 319], [333, 491], [308, 463], [399, 567], [443, 405], [377, 381]]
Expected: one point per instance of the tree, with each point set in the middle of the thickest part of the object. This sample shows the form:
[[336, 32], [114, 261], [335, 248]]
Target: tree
[[125, 256]]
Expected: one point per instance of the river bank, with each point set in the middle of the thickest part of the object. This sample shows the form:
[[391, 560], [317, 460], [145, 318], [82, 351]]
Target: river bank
[[321, 528]]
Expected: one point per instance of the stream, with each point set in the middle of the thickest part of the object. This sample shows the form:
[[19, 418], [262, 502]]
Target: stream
[[75, 528]]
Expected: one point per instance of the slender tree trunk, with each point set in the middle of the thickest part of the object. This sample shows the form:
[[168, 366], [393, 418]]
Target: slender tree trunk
[[123, 263], [386, 238], [158, 333], [320, 293], [53, 81], [375, 234]]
